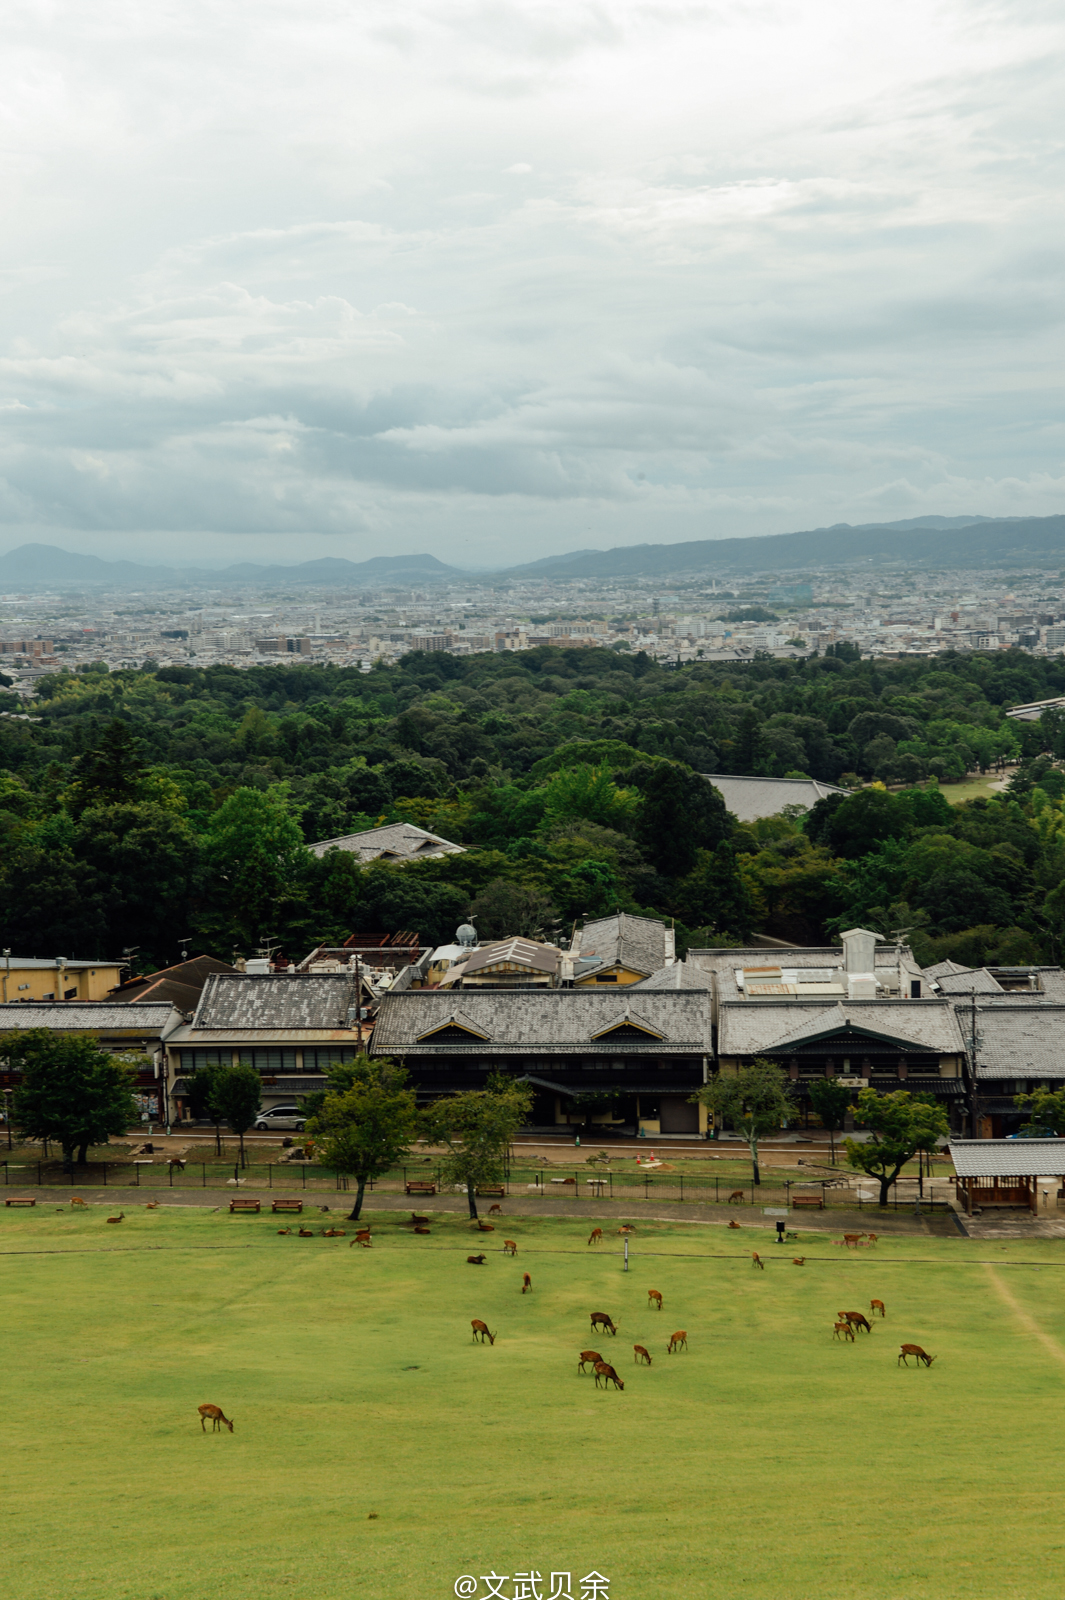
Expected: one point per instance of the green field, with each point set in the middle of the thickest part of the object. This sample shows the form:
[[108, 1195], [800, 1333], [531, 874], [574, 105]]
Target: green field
[[378, 1454]]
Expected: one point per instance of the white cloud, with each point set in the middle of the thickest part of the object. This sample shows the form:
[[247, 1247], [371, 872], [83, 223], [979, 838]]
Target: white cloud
[[262, 275]]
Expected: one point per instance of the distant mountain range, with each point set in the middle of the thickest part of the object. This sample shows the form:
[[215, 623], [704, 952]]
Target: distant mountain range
[[929, 542]]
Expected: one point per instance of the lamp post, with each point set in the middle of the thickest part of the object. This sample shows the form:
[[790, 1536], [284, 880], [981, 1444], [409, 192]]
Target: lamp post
[[7, 972]]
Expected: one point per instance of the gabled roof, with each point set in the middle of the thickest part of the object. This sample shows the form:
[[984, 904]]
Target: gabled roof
[[457, 1019], [180, 985], [516, 951], [1008, 1158], [543, 1022], [678, 975], [398, 841], [1020, 1040], [626, 1019], [925, 1025], [89, 1016], [640, 944], [751, 798], [979, 981], [274, 1003]]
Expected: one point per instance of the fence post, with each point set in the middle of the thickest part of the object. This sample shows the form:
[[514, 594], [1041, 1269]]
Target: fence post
[[105, 1186], [270, 1185], [717, 1197], [304, 1171], [203, 1174], [682, 1200], [39, 1185]]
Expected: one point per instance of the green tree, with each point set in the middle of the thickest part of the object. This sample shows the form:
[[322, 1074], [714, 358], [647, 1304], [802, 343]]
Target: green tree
[[368, 1127], [236, 1094], [256, 852], [504, 909], [476, 1129], [111, 773], [755, 1100], [71, 1091], [900, 1125], [1046, 1108], [831, 1101], [588, 793]]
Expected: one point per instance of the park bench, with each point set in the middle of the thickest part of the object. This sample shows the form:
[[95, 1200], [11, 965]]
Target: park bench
[[420, 1186], [21, 1200], [495, 1191], [288, 1205], [245, 1205], [817, 1200]]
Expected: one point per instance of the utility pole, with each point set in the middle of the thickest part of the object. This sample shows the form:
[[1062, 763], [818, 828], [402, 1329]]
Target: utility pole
[[7, 972]]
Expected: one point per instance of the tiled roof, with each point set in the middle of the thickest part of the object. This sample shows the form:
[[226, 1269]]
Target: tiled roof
[[680, 975], [927, 1025], [542, 1021], [401, 840], [1008, 1158], [278, 1002], [945, 969], [729, 958], [1020, 1039], [47, 964], [522, 952], [641, 944], [979, 980], [89, 1016], [751, 798]]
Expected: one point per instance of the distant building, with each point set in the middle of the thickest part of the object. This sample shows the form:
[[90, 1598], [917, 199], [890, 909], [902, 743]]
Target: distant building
[[751, 798], [622, 949], [40, 978], [399, 841]]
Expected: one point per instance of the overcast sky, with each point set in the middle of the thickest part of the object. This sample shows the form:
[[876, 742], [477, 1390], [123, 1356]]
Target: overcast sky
[[505, 278]]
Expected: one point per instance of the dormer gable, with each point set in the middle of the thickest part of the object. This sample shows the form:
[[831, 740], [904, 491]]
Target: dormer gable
[[628, 1025], [457, 1028]]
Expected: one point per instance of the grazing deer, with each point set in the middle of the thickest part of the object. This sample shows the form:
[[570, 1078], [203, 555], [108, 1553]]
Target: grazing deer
[[798, 1261], [604, 1323], [176, 1161], [496, 1211], [843, 1330], [855, 1319], [76, 1202], [756, 1260], [604, 1370], [737, 1194], [653, 1294], [870, 1238], [481, 1328], [875, 1306], [733, 1223], [510, 1247], [596, 1236], [675, 1342], [121, 1214], [640, 1354], [475, 1261], [589, 1358], [914, 1350], [363, 1240], [363, 1233], [217, 1417], [526, 1283]]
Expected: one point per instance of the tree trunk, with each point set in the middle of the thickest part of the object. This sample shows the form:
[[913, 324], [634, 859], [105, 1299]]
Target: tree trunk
[[756, 1176], [240, 1136], [832, 1141], [83, 1153], [356, 1211], [885, 1185], [472, 1198], [217, 1139]]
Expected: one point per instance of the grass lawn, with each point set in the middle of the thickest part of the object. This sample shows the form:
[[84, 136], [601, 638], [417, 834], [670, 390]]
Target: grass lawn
[[973, 788], [379, 1454]]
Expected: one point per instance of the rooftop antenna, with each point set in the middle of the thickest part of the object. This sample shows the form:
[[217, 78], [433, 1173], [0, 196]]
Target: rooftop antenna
[[184, 945]]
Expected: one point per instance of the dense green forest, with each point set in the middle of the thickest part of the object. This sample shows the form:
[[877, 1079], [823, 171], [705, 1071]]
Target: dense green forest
[[140, 807]]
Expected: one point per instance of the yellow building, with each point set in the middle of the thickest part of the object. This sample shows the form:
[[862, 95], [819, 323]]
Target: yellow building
[[622, 949], [33, 978]]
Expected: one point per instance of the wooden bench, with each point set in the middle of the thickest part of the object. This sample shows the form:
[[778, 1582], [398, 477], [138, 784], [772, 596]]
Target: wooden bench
[[245, 1205], [495, 1191], [21, 1200], [817, 1200], [288, 1205], [419, 1186]]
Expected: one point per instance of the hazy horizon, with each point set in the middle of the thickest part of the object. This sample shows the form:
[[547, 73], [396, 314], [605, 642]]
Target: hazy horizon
[[505, 280]]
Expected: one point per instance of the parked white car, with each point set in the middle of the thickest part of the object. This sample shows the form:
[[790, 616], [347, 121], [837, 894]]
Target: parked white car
[[281, 1119]]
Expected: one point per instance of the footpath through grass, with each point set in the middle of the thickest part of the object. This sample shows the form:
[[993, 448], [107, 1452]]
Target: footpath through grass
[[378, 1454]]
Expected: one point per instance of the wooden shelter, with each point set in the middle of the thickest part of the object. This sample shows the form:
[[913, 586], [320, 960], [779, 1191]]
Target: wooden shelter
[[1004, 1172]]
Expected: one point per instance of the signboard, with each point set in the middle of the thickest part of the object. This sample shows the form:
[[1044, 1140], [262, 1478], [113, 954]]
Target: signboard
[[854, 1083], [774, 1211]]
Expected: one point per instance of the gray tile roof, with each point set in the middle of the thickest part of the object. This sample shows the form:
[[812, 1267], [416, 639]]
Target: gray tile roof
[[745, 1029], [979, 980], [751, 798], [680, 975], [46, 963], [401, 840], [90, 1016], [945, 969], [728, 958], [1008, 1158], [1020, 1039], [641, 944], [542, 1022], [519, 952], [274, 1004]]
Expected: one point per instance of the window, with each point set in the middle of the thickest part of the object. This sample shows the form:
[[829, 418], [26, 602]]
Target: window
[[193, 1060], [270, 1062], [322, 1060]]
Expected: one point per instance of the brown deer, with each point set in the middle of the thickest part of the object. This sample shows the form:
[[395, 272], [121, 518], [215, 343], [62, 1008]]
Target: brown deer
[[798, 1261], [308, 1233], [675, 1342], [877, 1306], [76, 1202], [481, 1328], [121, 1214], [913, 1350], [510, 1247], [526, 1283], [604, 1323], [476, 1261], [596, 1236], [588, 1358], [653, 1294], [627, 1227], [737, 1194], [151, 1205], [855, 1319], [419, 1222], [421, 1230], [843, 1330], [604, 1370], [178, 1162], [756, 1260], [284, 1230], [485, 1227], [733, 1223], [495, 1211], [640, 1354], [217, 1417]]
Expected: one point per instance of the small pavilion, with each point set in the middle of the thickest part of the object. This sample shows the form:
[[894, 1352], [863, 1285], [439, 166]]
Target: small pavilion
[[1004, 1172]]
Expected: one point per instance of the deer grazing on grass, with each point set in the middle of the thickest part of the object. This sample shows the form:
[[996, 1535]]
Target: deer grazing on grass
[[756, 1260], [178, 1162], [496, 1211], [596, 1236], [855, 1319], [217, 1417], [737, 1194], [906, 1350], [676, 1341], [655, 1296], [640, 1354], [877, 1306], [843, 1330], [526, 1283], [76, 1202], [588, 1358], [604, 1370], [121, 1214], [476, 1261], [604, 1323], [510, 1247], [482, 1331]]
